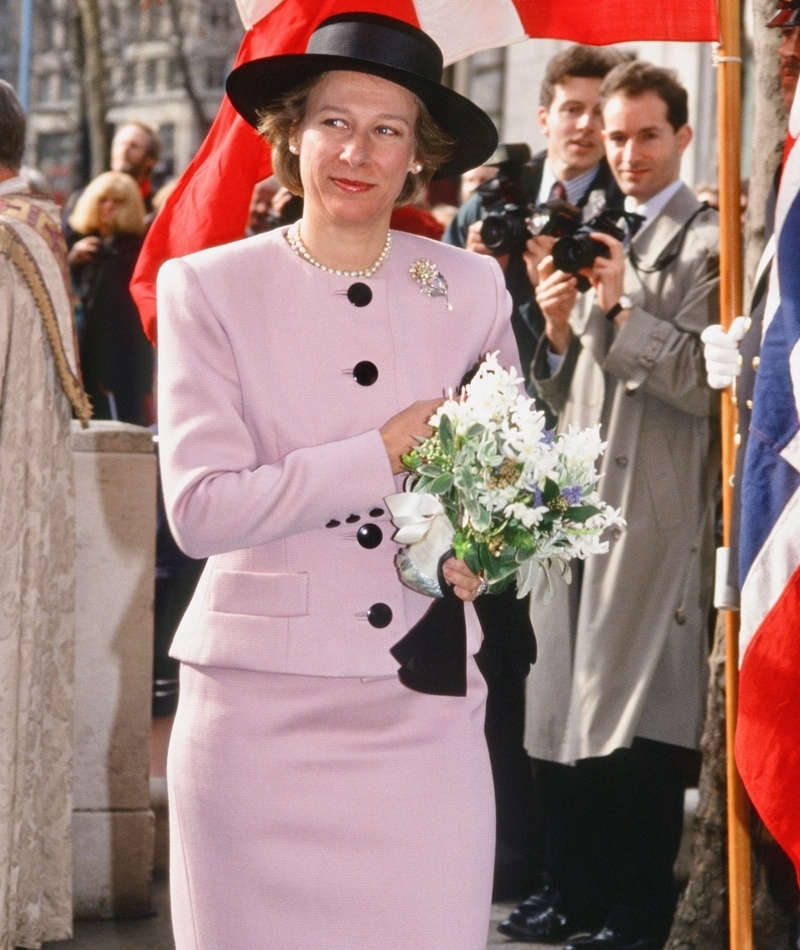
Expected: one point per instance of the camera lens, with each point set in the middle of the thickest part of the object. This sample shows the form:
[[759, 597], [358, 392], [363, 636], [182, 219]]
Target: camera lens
[[504, 234], [494, 231], [577, 251]]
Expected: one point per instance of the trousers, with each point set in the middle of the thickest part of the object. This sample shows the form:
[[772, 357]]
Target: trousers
[[613, 827]]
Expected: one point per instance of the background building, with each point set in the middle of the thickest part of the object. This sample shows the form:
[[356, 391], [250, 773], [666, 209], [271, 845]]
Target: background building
[[166, 62]]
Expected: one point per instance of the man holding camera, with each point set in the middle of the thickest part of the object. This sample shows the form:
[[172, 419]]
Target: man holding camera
[[572, 168], [616, 703]]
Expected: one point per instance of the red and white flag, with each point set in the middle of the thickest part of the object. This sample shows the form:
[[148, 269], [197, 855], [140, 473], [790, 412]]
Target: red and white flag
[[210, 203], [768, 723]]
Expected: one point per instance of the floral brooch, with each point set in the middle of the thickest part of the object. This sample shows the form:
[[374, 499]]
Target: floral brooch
[[431, 281]]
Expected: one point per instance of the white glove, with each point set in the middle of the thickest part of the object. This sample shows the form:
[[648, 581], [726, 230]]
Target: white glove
[[721, 352]]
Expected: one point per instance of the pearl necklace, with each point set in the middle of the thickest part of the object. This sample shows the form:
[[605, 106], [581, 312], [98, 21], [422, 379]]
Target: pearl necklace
[[296, 244]]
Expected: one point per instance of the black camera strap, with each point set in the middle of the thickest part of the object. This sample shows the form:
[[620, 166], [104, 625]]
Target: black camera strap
[[666, 257]]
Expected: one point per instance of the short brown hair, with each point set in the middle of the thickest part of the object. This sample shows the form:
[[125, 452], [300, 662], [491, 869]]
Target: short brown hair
[[129, 217], [12, 128], [583, 62], [154, 144], [280, 119], [634, 79]]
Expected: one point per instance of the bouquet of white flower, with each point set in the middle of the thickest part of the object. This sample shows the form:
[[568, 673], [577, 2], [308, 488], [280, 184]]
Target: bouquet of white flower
[[501, 490]]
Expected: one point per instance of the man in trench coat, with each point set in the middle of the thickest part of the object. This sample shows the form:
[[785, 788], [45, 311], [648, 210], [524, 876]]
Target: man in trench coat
[[617, 698]]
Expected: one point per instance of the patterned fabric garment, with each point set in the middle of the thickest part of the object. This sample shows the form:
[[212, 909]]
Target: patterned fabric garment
[[37, 541]]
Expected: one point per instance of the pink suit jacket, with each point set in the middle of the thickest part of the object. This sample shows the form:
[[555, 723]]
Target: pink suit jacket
[[270, 451]]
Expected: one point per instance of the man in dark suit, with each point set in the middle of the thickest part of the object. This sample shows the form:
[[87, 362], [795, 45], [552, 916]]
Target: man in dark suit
[[573, 167]]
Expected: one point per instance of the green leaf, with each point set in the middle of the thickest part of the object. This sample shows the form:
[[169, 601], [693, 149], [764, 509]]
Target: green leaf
[[443, 483], [475, 430], [472, 559], [464, 480], [432, 471], [487, 559], [446, 434], [582, 513], [483, 519], [550, 491], [471, 506]]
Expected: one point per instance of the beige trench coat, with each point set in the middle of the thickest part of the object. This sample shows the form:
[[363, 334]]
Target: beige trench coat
[[623, 650]]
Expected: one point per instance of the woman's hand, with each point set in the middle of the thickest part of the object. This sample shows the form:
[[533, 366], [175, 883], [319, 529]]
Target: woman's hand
[[403, 431], [467, 586], [84, 250]]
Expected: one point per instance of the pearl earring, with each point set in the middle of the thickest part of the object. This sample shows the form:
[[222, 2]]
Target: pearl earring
[[294, 150], [416, 169]]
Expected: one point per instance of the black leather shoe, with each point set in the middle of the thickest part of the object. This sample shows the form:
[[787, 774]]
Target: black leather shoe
[[545, 925], [538, 901], [608, 939]]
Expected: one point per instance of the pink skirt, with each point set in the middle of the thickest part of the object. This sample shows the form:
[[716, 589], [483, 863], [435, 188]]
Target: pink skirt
[[329, 812]]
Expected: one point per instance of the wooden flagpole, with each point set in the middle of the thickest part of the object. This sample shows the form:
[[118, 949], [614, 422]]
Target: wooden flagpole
[[728, 61]]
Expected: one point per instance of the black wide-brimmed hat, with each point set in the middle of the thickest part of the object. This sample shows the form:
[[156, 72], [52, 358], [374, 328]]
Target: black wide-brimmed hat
[[382, 46], [787, 14]]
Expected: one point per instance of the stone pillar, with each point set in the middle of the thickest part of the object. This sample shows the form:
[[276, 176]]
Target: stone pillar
[[115, 493]]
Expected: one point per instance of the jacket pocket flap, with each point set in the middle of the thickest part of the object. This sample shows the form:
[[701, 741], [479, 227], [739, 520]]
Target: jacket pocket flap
[[259, 595]]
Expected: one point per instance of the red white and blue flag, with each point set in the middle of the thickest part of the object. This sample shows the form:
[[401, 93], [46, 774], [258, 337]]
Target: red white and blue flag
[[768, 724], [209, 204]]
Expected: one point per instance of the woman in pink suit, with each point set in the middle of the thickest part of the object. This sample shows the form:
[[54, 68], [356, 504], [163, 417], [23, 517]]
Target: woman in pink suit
[[314, 799]]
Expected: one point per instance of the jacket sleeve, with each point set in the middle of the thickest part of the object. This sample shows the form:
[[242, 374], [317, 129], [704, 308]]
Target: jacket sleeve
[[664, 357], [218, 496], [554, 390], [467, 214]]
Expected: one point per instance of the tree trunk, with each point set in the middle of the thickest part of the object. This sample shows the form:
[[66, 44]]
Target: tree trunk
[[182, 58], [769, 131], [701, 920], [94, 85]]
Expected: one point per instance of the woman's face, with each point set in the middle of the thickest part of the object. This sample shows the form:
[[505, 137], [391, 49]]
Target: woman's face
[[106, 212], [356, 146]]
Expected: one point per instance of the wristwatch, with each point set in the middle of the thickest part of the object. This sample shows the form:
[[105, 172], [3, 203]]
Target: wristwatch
[[624, 303]]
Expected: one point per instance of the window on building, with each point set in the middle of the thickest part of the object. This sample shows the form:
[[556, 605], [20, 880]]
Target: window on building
[[48, 87], [130, 79], [151, 76], [54, 159], [112, 12], [174, 74], [166, 135], [216, 71], [486, 81], [218, 15], [54, 33]]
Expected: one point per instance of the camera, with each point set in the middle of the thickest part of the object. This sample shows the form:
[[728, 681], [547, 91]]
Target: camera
[[577, 250], [506, 201]]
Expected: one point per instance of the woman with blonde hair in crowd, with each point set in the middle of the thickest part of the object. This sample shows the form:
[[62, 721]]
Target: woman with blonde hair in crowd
[[116, 357]]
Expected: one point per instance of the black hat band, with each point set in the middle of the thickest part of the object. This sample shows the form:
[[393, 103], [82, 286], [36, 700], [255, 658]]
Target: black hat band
[[374, 43]]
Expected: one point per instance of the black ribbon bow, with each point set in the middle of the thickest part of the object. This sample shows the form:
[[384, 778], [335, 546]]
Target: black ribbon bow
[[433, 654]]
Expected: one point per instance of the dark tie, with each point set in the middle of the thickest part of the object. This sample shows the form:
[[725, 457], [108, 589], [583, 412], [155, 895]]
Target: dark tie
[[558, 192], [635, 221]]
